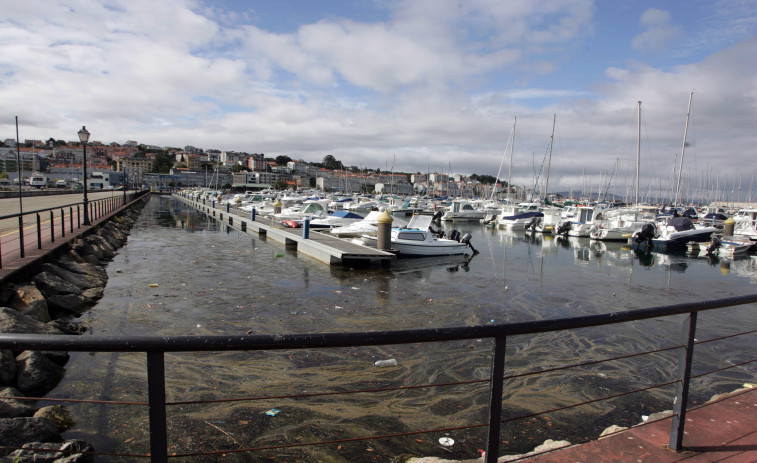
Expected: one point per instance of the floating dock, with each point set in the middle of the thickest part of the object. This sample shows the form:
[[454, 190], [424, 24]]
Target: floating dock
[[320, 246]]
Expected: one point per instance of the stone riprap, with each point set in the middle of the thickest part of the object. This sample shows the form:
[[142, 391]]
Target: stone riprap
[[68, 284]]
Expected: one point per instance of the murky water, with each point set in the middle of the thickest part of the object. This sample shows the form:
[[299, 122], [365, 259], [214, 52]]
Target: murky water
[[213, 281]]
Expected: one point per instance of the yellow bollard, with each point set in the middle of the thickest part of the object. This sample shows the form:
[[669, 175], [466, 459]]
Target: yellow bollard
[[728, 226], [384, 232]]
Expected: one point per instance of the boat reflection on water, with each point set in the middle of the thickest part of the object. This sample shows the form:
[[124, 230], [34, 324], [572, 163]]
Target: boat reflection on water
[[429, 264]]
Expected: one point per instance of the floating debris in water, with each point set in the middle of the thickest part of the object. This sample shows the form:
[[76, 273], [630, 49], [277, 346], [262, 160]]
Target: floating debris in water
[[273, 412], [153, 285], [447, 441], [385, 363], [279, 255]]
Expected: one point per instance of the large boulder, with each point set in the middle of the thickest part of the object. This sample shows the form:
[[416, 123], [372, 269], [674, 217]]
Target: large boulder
[[7, 367], [12, 321], [77, 279], [69, 303], [75, 263], [49, 284], [58, 452], [12, 408], [58, 414], [27, 299], [15, 432], [37, 373]]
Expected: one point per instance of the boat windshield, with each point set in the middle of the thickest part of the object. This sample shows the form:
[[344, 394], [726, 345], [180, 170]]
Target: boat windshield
[[421, 222]]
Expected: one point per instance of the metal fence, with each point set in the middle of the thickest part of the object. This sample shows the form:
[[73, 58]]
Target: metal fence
[[155, 347], [46, 225]]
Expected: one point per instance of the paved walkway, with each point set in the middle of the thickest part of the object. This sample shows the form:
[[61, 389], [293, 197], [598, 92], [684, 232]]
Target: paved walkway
[[723, 431], [12, 261]]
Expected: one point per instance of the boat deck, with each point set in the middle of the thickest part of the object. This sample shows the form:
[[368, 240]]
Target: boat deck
[[320, 246]]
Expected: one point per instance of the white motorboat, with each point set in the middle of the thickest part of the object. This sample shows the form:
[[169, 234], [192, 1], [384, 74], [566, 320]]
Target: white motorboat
[[367, 226], [462, 210], [518, 218], [420, 239], [311, 209], [587, 217], [548, 222], [337, 219], [674, 234], [621, 224], [724, 246]]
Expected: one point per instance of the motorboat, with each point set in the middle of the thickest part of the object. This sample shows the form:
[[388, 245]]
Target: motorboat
[[581, 225], [462, 210], [418, 238], [310, 209], [517, 219], [724, 246], [337, 219], [547, 223], [673, 234], [621, 224], [369, 225], [745, 223]]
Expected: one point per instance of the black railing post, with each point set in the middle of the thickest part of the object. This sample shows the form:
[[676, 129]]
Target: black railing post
[[495, 399], [39, 232], [62, 223], [21, 234], [78, 217], [52, 227], [71, 217], [682, 387], [156, 384]]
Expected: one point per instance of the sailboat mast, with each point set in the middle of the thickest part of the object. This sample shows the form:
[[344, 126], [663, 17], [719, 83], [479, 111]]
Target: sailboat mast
[[683, 149], [638, 156], [512, 151], [549, 159], [501, 163]]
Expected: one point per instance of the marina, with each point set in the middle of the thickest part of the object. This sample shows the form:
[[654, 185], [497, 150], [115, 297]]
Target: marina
[[216, 280]]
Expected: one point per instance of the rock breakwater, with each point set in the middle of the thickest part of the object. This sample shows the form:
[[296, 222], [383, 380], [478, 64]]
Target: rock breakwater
[[64, 285]]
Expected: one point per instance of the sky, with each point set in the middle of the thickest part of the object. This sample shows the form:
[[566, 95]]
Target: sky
[[414, 86]]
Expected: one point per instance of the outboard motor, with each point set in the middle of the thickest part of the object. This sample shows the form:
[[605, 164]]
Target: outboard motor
[[646, 233], [533, 223], [454, 235], [714, 245], [438, 216], [438, 233], [466, 240], [564, 228]]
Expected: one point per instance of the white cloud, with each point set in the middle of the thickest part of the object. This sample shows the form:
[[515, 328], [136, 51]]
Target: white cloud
[[431, 88], [659, 32]]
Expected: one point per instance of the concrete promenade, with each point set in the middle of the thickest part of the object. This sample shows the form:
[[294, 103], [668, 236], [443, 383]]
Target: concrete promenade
[[721, 431], [12, 261]]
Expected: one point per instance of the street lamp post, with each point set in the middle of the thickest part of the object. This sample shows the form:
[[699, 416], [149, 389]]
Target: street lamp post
[[84, 138]]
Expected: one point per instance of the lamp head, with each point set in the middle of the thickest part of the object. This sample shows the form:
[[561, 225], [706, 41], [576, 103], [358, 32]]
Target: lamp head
[[83, 135]]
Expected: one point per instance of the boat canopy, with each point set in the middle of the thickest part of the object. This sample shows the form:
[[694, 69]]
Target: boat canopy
[[681, 223]]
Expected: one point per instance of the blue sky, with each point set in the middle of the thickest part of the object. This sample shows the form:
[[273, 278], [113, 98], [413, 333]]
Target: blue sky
[[434, 83]]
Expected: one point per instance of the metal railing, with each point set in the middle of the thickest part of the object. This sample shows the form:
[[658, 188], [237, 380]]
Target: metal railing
[[156, 347], [41, 225]]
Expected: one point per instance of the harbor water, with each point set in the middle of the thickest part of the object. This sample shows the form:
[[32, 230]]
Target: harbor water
[[183, 274]]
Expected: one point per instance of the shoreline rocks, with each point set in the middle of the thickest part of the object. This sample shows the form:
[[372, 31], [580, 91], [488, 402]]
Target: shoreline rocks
[[67, 285]]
